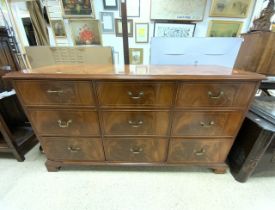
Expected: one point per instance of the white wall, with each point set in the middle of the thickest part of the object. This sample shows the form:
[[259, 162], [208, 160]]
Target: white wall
[[55, 12]]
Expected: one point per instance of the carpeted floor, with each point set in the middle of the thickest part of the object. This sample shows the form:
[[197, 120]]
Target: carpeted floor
[[28, 186]]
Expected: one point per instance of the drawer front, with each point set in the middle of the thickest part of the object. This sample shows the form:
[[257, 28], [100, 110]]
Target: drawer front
[[136, 150], [56, 93], [202, 123], [135, 94], [136, 123], [204, 151], [58, 148], [65, 122], [214, 94]]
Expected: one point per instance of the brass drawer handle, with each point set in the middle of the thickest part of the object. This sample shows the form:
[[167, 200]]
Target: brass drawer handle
[[72, 149], [138, 96], [200, 152], [210, 95], [62, 124], [207, 125], [135, 124], [136, 150], [55, 91]]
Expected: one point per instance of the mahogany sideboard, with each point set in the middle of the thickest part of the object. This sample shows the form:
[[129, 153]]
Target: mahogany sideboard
[[136, 115]]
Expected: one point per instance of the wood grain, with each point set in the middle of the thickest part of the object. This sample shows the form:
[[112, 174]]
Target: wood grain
[[56, 93], [135, 94], [69, 148], [135, 123], [206, 123], [194, 150], [65, 122], [214, 94], [136, 150]]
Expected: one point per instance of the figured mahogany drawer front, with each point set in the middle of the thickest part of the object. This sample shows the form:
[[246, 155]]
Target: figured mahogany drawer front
[[136, 150], [198, 150], [65, 122], [203, 123], [135, 94], [135, 123], [56, 93], [58, 148], [214, 94]]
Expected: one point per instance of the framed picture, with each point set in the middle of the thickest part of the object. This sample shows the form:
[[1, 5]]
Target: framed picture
[[178, 9], [136, 56], [79, 8], [133, 8], [110, 4], [142, 32], [273, 27], [220, 28], [118, 27], [85, 31], [58, 28], [230, 8], [107, 22], [174, 30]]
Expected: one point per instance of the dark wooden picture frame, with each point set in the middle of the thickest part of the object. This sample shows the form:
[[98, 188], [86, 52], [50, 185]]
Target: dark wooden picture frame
[[119, 33], [106, 7]]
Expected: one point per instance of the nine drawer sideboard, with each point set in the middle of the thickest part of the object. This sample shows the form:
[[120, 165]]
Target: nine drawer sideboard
[[136, 115]]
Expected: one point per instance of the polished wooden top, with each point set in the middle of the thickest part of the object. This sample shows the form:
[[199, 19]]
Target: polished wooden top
[[150, 72]]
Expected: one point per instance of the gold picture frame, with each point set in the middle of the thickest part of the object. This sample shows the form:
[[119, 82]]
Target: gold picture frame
[[85, 31], [230, 8], [220, 28], [58, 28], [136, 56], [84, 8]]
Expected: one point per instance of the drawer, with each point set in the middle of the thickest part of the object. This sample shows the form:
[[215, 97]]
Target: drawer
[[135, 94], [65, 122], [56, 93], [203, 123], [58, 148], [135, 123], [214, 94], [136, 150], [201, 151]]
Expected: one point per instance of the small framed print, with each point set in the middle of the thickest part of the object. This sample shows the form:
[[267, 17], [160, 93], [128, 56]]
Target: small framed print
[[220, 28], [136, 56], [142, 32], [133, 8], [118, 27], [79, 8], [58, 28], [230, 8], [174, 30], [110, 4], [107, 22], [85, 31]]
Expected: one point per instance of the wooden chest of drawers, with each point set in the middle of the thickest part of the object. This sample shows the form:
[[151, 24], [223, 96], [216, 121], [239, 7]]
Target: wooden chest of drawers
[[165, 115]]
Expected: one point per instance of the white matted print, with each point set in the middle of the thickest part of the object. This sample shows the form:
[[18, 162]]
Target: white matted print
[[174, 30], [107, 22], [142, 32]]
